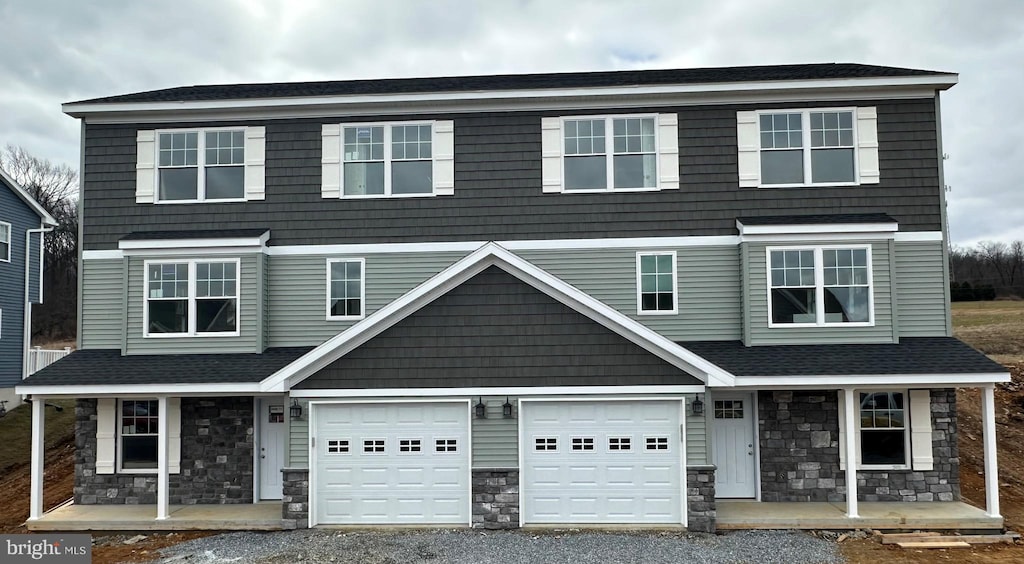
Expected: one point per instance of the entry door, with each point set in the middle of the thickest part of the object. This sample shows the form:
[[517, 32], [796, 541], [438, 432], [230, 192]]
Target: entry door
[[733, 434], [273, 436]]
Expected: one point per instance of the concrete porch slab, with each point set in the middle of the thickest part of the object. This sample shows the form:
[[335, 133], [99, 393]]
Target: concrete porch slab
[[939, 515], [241, 517]]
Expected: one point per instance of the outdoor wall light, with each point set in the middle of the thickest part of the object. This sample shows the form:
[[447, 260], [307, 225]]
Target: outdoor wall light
[[481, 409], [295, 410], [697, 407], [506, 409]]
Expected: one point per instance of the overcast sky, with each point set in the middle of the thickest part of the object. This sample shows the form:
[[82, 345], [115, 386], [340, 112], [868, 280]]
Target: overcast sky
[[58, 51]]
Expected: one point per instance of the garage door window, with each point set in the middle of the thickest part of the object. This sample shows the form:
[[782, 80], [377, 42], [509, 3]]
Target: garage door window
[[409, 445], [373, 446], [446, 445], [620, 444], [545, 444], [656, 443], [337, 446], [583, 443]]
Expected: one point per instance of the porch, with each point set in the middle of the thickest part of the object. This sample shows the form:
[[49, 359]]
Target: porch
[[896, 515], [263, 516]]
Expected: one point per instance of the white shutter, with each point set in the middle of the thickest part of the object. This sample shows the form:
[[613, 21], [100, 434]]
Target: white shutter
[[921, 429], [842, 430], [867, 145], [145, 166], [444, 158], [174, 435], [668, 151], [255, 159], [330, 161], [748, 141], [551, 154], [106, 434]]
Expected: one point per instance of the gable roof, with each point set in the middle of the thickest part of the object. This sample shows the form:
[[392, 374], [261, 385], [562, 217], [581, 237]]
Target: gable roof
[[709, 75], [486, 256], [29, 200]]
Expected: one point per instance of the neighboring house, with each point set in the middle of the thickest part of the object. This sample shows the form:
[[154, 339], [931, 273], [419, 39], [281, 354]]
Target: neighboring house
[[580, 298], [23, 223]]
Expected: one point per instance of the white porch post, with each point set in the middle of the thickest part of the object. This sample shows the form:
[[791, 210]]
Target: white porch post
[[988, 427], [161, 460], [38, 452], [850, 447]]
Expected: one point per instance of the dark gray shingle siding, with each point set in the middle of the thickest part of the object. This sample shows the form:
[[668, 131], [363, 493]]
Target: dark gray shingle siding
[[498, 187], [495, 330]]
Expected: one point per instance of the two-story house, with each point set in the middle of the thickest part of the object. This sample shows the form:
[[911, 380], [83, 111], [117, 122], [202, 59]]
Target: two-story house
[[552, 299], [23, 224]]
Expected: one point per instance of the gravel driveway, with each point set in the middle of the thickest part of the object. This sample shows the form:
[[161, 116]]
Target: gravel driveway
[[493, 547]]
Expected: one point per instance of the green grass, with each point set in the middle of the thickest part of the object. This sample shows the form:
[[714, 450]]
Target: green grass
[[995, 328], [16, 432]]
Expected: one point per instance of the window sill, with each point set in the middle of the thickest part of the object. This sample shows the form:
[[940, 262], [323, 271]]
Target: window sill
[[225, 201], [815, 325], [816, 185], [152, 471], [346, 318], [189, 335], [658, 313], [609, 190], [386, 196], [884, 467]]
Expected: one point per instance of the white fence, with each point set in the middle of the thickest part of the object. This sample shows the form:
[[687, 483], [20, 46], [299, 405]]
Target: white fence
[[39, 358]]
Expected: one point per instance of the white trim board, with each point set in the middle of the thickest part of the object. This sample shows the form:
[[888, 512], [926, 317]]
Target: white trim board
[[817, 228], [495, 391], [518, 245], [873, 380], [141, 390], [468, 267]]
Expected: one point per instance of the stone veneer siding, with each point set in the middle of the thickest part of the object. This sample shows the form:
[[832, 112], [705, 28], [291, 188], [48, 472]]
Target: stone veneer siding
[[496, 499], [295, 501], [702, 516], [799, 447], [216, 457]]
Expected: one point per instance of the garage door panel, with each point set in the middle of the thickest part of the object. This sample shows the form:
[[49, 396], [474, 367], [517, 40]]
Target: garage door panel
[[602, 462], [393, 471]]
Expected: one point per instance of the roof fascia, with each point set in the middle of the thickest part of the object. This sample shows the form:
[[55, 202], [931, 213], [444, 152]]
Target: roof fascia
[[29, 200], [873, 380], [136, 390]]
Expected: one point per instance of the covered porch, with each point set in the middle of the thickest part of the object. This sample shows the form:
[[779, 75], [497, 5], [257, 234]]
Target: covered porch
[[895, 515], [263, 516]]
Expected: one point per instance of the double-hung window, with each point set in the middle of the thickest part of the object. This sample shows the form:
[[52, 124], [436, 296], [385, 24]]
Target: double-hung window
[[883, 429], [345, 281], [188, 298], [139, 433], [387, 160], [656, 283], [203, 165], [807, 147], [611, 153], [820, 286], [5, 242]]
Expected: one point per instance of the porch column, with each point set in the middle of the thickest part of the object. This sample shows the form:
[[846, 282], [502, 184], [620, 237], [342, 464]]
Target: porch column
[[849, 424], [988, 427], [162, 480], [38, 452]]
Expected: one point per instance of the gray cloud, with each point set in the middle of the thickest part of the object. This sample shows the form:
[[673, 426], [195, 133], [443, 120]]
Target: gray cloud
[[56, 51]]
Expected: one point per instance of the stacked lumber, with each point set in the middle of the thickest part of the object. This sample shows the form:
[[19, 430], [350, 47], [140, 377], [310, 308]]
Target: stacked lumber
[[931, 539]]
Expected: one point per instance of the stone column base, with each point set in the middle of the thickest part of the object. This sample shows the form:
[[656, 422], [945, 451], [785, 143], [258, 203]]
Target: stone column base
[[702, 514], [295, 498], [496, 499]]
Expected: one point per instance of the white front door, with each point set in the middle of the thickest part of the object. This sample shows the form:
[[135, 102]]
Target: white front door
[[612, 462], [273, 440], [732, 421], [391, 463]]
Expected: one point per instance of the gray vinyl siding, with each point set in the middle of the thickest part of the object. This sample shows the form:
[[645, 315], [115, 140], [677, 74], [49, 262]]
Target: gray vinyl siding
[[920, 289], [498, 185], [297, 289], [495, 440], [102, 303], [12, 286], [708, 286], [247, 341], [757, 316]]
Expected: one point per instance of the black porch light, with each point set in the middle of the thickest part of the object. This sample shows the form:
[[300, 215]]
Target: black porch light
[[295, 410], [697, 406], [506, 409], [481, 409]]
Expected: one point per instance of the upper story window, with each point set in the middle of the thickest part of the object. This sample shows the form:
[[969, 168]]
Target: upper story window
[[181, 166], [5, 242], [610, 153], [388, 160], [808, 147], [345, 281], [656, 283], [191, 298], [820, 286]]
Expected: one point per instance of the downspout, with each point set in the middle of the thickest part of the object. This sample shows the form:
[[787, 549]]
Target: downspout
[[27, 315]]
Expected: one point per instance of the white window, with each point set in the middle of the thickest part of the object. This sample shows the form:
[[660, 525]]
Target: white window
[[583, 443], [5, 242], [345, 288], [728, 409], [373, 446], [337, 446], [620, 443], [388, 160], [201, 165], [610, 153], [189, 298], [409, 445], [808, 147], [882, 428], [446, 445], [820, 286], [656, 443], [138, 424], [544, 444], [656, 283]]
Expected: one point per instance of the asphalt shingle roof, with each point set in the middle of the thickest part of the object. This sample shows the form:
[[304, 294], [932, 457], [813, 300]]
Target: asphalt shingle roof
[[817, 219], [516, 82], [108, 366], [913, 355]]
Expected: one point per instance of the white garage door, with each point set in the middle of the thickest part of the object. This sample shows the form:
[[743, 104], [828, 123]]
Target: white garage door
[[601, 462], [392, 463]]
